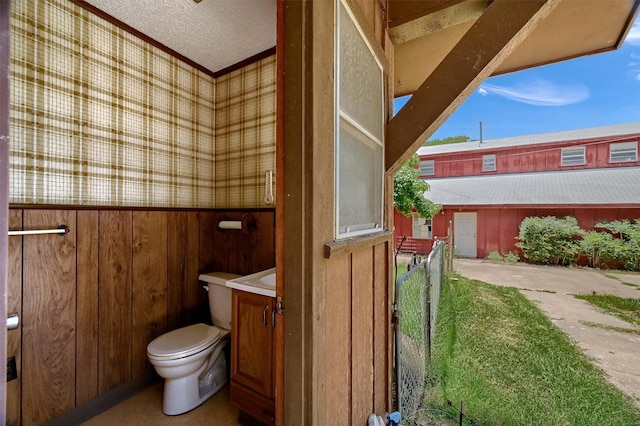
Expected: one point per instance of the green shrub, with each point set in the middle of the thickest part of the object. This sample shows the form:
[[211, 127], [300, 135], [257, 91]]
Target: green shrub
[[598, 247], [495, 256], [549, 240], [625, 244], [511, 257]]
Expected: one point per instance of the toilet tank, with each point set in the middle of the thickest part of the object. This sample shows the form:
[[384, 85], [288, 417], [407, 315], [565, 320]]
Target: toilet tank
[[219, 297]]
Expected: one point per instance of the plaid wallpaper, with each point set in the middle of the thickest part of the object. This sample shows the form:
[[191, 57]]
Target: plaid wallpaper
[[100, 117], [245, 133]]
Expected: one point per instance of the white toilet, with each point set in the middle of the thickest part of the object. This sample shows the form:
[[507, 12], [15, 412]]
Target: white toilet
[[192, 359]]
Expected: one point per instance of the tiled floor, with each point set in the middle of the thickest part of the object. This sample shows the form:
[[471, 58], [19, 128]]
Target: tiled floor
[[145, 409]]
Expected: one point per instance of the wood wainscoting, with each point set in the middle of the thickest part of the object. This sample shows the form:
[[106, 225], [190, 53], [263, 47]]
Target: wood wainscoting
[[91, 300]]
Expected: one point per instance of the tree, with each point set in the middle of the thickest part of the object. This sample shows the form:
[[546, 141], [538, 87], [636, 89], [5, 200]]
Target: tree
[[409, 189], [446, 141]]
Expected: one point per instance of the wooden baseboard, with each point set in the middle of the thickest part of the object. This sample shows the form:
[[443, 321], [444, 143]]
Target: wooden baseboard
[[92, 408]]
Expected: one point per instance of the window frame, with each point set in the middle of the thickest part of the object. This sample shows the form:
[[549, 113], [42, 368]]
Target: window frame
[[342, 117], [620, 145], [415, 218], [564, 163], [484, 163], [432, 167]]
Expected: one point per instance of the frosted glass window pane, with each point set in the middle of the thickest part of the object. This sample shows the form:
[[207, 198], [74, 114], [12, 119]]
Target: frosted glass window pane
[[360, 181], [360, 78]]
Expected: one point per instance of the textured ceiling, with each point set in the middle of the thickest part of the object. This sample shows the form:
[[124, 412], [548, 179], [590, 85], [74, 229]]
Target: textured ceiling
[[213, 33]]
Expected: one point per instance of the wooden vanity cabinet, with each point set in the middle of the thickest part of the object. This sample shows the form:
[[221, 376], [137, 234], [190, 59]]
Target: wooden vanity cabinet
[[252, 332]]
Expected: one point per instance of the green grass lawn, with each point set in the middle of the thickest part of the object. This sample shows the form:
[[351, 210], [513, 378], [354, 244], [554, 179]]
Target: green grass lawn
[[624, 308], [501, 356]]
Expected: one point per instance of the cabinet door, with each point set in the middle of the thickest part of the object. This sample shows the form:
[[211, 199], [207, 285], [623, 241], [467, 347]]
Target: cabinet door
[[252, 341]]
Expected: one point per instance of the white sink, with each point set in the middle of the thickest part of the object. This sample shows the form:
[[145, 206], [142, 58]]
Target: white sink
[[263, 282], [269, 280]]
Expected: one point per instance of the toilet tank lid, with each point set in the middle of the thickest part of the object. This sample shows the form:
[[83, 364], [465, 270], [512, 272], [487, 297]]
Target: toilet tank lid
[[219, 278]]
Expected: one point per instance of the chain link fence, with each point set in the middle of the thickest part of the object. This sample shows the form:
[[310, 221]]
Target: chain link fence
[[417, 294]]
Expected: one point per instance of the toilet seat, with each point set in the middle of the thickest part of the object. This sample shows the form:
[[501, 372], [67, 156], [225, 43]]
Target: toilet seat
[[184, 342]]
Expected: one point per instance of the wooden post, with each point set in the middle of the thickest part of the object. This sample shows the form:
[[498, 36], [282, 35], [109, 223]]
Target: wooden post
[[5, 12]]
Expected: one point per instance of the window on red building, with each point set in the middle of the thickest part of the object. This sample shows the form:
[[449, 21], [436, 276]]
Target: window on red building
[[573, 156], [422, 228], [427, 168], [621, 152], [489, 163]]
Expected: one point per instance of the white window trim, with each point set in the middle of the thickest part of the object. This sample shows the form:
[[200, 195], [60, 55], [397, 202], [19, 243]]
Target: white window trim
[[491, 157], [415, 218], [340, 115], [432, 167], [566, 156], [623, 146]]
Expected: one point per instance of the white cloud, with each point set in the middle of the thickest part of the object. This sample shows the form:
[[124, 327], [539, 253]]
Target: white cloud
[[635, 65], [633, 37], [482, 91], [541, 93]]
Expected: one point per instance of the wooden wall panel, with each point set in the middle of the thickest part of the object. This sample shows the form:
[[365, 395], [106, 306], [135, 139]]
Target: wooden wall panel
[[489, 221], [553, 159], [602, 156], [212, 249], [362, 335], [381, 323], [509, 229], [116, 281], [481, 234], [540, 160], [228, 241], [618, 214], [262, 243], [338, 325], [14, 305], [48, 317], [114, 358], [357, 331], [87, 314], [177, 269], [584, 217], [149, 284], [209, 244], [195, 296], [254, 251]]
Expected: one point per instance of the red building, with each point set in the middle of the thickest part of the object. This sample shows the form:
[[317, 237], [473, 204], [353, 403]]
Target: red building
[[486, 189]]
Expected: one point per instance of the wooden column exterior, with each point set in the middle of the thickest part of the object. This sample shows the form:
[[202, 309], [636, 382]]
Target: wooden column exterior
[[337, 300], [337, 321]]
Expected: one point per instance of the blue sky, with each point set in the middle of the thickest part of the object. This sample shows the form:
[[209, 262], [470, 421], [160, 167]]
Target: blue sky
[[592, 91]]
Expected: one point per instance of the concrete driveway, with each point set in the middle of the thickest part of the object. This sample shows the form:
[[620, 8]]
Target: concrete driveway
[[552, 289]]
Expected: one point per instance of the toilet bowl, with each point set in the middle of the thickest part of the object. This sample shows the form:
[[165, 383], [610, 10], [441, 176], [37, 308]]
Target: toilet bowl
[[193, 359]]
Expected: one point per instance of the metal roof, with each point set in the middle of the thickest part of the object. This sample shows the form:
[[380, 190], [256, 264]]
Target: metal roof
[[619, 185], [541, 138]]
